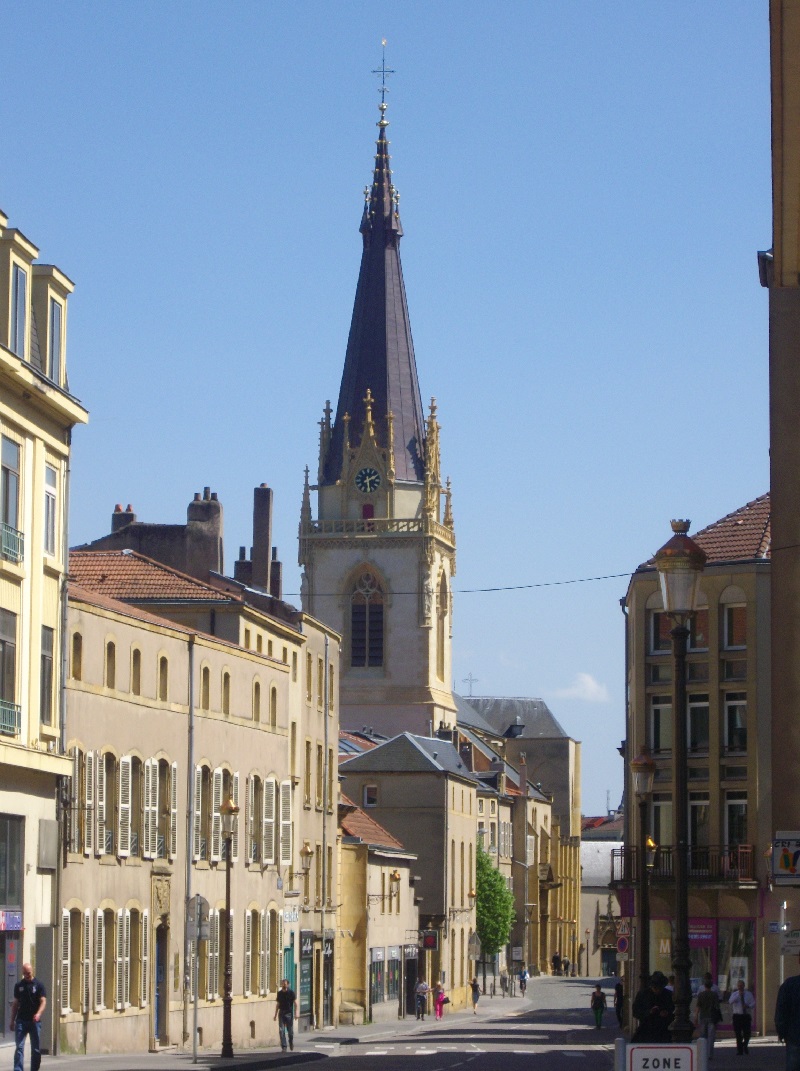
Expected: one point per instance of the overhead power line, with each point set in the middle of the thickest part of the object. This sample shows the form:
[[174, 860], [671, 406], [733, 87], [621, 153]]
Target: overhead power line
[[481, 591]]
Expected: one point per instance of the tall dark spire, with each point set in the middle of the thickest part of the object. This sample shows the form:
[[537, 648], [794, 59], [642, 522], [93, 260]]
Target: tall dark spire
[[380, 351]]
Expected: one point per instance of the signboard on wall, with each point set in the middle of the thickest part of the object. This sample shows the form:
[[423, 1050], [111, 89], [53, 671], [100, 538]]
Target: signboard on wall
[[786, 858]]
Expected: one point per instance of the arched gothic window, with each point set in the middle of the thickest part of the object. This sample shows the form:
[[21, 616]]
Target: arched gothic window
[[366, 622], [441, 624]]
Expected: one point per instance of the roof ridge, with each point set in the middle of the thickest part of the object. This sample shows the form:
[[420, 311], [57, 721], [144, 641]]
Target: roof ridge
[[734, 513]]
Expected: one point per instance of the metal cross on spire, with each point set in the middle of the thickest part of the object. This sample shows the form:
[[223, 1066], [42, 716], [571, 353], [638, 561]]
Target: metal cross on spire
[[470, 680], [383, 70]]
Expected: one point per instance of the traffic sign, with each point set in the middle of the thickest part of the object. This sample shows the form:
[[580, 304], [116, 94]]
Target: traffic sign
[[197, 928], [624, 928], [661, 1058], [622, 944], [622, 957]]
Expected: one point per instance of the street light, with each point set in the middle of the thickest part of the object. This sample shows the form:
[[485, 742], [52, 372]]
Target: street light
[[680, 563], [643, 772], [228, 811]]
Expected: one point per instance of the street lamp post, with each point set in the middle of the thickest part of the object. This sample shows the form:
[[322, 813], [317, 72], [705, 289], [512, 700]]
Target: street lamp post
[[643, 772], [228, 812], [680, 563]]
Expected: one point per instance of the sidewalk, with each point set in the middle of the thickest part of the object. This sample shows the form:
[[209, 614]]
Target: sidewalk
[[310, 1046]]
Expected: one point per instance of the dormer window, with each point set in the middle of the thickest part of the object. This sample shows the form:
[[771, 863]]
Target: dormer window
[[53, 369], [19, 309]]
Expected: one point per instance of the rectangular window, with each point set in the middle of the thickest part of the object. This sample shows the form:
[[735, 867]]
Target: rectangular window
[[735, 627], [736, 721], [11, 844], [46, 677], [370, 795], [9, 483], [393, 975], [698, 722], [735, 819], [307, 776], [377, 977], [699, 823], [698, 631], [9, 715], [661, 722], [320, 775], [309, 676], [320, 683], [54, 354], [662, 820], [19, 310], [661, 673], [660, 632], [50, 477]]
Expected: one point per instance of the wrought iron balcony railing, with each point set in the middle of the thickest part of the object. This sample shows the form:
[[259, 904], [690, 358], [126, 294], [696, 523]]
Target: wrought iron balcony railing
[[711, 863], [12, 543], [10, 718]]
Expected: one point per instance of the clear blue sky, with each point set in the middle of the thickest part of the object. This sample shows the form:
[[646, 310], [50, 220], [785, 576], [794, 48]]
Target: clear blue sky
[[584, 188]]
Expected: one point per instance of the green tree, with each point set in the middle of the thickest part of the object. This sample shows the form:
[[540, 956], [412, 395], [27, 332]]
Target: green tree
[[494, 908]]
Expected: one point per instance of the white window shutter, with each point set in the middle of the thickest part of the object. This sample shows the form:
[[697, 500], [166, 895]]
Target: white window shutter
[[263, 954], [144, 996], [86, 963], [90, 762], [193, 965], [251, 820], [213, 954], [173, 811], [100, 802], [99, 960], [66, 955], [119, 994], [124, 798], [248, 951], [235, 837], [286, 823], [197, 826], [216, 817], [268, 823], [74, 802], [147, 851], [126, 990], [155, 805]]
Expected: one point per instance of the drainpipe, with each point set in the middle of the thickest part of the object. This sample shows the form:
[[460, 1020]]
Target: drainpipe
[[187, 951], [62, 795]]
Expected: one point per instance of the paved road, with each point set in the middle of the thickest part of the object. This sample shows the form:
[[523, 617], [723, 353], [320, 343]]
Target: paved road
[[551, 1029]]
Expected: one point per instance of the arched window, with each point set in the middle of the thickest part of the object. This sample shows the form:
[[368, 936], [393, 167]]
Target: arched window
[[205, 688], [226, 693], [136, 671], [163, 679], [273, 708], [77, 656], [366, 623], [111, 664], [256, 701]]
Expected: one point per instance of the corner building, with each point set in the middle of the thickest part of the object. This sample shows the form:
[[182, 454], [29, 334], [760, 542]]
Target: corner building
[[379, 558]]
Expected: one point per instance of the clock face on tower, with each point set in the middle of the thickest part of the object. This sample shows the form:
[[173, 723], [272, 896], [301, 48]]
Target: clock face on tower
[[368, 480]]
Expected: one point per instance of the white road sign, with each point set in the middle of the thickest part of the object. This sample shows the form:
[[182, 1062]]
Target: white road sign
[[661, 1058]]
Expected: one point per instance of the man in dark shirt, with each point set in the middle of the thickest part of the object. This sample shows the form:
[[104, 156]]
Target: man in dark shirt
[[654, 1009], [286, 1008], [787, 1020], [30, 1001]]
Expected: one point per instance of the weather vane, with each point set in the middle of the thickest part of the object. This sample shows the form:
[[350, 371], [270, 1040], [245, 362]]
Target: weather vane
[[383, 70]]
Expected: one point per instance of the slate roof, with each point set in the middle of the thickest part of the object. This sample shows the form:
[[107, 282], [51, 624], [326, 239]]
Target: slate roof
[[380, 351], [407, 753], [534, 715], [131, 577], [596, 863], [744, 535], [467, 715], [357, 823]]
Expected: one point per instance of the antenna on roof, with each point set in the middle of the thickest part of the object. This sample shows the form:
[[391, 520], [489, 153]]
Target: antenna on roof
[[608, 801]]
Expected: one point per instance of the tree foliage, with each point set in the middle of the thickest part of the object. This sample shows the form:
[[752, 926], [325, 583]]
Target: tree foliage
[[494, 906]]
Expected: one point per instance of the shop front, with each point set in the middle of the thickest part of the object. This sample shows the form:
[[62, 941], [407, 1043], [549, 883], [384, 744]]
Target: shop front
[[306, 980]]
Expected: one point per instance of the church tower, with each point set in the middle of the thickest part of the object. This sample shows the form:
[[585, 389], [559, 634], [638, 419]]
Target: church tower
[[379, 558]]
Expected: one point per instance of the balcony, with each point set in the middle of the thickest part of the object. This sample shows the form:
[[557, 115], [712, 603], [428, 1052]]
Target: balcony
[[12, 543], [709, 864], [10, 718]]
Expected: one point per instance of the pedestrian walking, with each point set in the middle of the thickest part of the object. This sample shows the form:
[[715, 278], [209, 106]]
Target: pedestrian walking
[[285, 1013], [787, 1020], [523, 981], [439, 1000], [654, 1009], [476, 994], [742, 1003], [619, 1001], [708, 1014], [27, 1009], [565, 966], [556, 961], [598, 1005], [421, 990]]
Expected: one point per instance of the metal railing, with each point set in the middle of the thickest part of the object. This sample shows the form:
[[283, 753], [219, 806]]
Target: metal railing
[[706, 863], [10, 718], [377, 525], [12, 543]]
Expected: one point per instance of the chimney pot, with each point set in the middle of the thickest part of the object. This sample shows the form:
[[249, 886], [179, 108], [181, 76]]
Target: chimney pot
[[206, 494], [242, 554], [214, 497], [118, 507]]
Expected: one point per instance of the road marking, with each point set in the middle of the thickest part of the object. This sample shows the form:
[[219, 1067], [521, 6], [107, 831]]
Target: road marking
[[377, 1052]]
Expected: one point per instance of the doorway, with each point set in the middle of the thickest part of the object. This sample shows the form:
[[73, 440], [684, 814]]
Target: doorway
[[161, 1001]]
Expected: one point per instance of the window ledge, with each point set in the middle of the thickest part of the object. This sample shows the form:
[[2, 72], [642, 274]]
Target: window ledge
[[202, 864], [133, 860], [107, 860]]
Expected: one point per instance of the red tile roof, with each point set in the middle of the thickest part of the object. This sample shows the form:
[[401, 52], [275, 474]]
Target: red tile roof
[[744, 535], [94, 598], [357, 823], [131, 577]]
